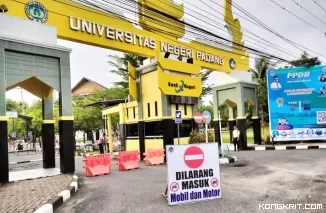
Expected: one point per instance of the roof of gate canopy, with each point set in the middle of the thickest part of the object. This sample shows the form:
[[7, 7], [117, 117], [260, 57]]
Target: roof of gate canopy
[[161, 27]]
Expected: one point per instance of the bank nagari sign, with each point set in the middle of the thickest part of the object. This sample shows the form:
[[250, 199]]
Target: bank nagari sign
[[193, 173], [181, 86]]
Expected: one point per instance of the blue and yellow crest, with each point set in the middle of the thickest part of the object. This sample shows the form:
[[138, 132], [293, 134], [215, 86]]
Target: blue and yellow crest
[[35, 11]]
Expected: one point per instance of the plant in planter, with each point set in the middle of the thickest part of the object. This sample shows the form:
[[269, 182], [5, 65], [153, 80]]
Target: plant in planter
[[198, 137]]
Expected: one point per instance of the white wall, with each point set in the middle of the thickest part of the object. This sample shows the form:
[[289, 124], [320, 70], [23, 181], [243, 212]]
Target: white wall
[[26, 30]]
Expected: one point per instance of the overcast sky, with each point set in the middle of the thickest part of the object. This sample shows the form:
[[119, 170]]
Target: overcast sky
[[91, 62]]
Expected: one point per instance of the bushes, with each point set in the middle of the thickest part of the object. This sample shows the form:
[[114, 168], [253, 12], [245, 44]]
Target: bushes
[[267, 140], [198, 137]]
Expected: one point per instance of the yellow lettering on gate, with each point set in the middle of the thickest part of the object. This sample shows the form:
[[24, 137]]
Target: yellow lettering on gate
[[84, 24]]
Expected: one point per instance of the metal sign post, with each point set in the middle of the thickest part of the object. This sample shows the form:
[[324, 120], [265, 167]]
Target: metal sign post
[[178, 133], [220, 126], [178, 120], [206, 132], [207, 120]]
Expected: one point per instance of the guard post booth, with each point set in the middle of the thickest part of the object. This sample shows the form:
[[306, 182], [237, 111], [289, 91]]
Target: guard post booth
[[170, 80], [147, 119]]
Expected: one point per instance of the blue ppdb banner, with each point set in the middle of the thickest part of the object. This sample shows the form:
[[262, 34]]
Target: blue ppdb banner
[[297, 103]]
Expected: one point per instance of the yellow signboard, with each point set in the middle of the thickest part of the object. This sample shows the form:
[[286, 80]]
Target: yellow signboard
[[179, 85], [84, 24], [132, 82]]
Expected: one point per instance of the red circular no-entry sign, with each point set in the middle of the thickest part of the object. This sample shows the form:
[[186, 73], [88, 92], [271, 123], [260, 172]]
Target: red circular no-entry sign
[[198, 117], [194, 157]]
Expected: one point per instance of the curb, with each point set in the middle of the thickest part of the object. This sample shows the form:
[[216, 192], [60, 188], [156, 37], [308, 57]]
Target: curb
[[60, 199], [280, 147], [290, 147], [28, 161], [228, 160]]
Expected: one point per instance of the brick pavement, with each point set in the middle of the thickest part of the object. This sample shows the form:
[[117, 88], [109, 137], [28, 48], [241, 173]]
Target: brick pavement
[[27, 196]]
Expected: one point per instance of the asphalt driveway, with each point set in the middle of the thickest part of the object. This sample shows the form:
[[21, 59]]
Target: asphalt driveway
[[260, 177]]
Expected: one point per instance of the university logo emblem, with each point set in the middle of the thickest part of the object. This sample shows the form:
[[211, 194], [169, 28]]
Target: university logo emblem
[[232, 63], [35, 11]]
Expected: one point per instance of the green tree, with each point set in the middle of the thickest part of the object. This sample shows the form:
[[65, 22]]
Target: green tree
[[90, 117], [223, 109], [259, 71], [260, 68], [207, 88], [36, 112], [306, 61], [120, 66], [17, 125]]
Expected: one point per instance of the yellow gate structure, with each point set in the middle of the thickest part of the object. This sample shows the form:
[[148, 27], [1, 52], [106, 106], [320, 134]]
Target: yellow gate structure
[[170, 80]]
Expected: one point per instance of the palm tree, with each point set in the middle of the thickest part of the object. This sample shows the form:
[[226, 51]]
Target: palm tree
[[261, 66], [120, 66]]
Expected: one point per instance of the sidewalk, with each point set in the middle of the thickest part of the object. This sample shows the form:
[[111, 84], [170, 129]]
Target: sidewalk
[[29, 195]]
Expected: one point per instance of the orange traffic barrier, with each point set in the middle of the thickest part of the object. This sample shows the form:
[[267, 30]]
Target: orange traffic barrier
[[97, 165], [128, 160], [154, 157]]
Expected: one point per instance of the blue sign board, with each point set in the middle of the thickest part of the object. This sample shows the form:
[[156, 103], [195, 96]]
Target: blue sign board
[[207, 117], [178, 116], [297, 103]]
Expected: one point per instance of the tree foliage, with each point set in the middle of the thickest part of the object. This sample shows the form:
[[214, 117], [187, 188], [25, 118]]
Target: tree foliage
[[223, 109], [306, 61], [90, 117], [120, 67], [260, 68], [85, 117], [206, 88], [259, 71], [16, 124]]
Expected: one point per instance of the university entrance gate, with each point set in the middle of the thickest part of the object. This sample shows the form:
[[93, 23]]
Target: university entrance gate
[[165, 85]]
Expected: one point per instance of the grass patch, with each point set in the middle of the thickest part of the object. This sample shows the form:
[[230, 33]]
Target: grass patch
[[250, 137], [78, 140], [93, 152]]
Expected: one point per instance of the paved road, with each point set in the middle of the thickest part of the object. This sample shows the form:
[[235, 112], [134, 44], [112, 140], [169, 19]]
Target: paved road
[[25, 157], [260, 177]]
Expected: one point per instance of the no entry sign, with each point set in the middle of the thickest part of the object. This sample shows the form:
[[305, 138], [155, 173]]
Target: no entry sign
[[194, 157], [198, 118], [193, 173]]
